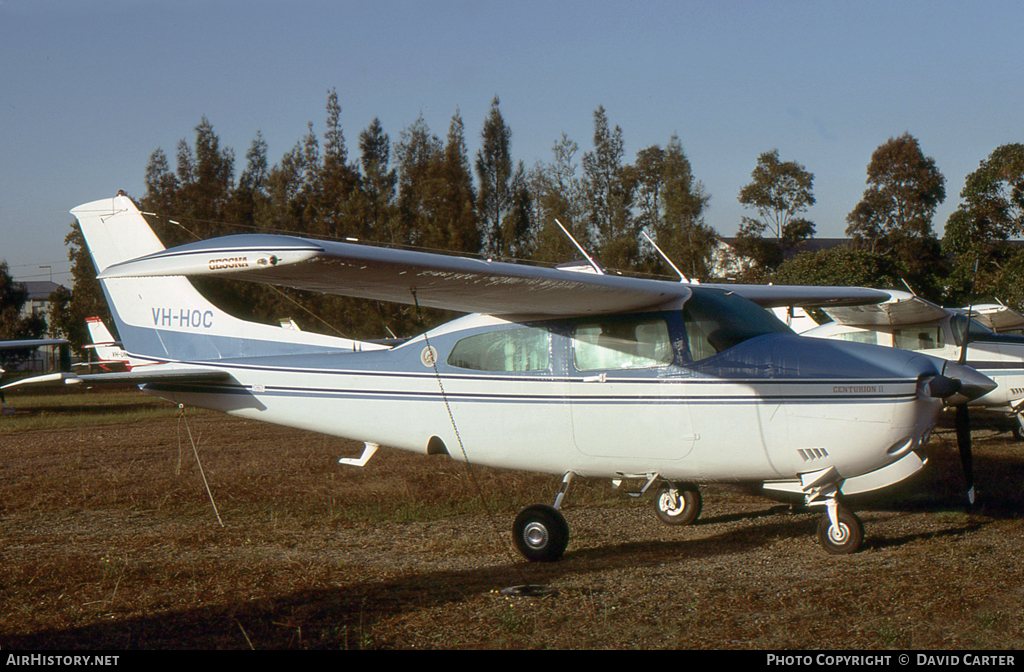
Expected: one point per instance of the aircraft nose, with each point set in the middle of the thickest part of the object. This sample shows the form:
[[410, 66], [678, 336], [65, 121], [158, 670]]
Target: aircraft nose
[[959, 384]]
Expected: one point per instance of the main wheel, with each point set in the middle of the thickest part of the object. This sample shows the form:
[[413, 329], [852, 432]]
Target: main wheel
[[846, 537], [540, 533], [678, 504]]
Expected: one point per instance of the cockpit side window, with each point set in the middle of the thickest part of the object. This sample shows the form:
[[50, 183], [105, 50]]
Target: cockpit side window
[[919, 338], [508, 350], [622, 344], [716, 320]]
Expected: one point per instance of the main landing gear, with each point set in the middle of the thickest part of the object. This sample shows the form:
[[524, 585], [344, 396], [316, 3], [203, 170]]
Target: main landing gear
[[677, 503], [674, 503], [540, 532]]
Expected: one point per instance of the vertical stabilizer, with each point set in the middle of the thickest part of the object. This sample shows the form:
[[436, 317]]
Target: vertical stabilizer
[[166, 318]]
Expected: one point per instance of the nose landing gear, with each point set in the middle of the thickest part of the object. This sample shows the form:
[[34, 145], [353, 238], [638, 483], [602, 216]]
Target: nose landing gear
[[840, 530]]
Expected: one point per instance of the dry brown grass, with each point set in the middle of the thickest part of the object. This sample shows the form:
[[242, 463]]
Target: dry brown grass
[[105, 542]]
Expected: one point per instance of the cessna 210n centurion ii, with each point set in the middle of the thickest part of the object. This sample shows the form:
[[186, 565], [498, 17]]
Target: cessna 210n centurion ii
[[556, 371]]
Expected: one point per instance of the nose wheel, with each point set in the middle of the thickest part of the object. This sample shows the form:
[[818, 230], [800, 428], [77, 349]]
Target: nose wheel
[[840, 531]]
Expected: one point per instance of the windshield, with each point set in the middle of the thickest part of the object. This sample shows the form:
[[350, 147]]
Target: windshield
[[976, 331], [716, 320]]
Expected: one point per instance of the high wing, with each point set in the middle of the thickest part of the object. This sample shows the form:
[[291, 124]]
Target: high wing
[[996, 317], [898, 308], [441, 281]]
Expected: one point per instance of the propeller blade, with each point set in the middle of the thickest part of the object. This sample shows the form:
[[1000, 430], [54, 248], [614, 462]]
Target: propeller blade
[[963, 442]]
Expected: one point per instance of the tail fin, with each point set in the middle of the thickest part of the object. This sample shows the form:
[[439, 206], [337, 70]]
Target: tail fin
[[166, 318], [103, 343]]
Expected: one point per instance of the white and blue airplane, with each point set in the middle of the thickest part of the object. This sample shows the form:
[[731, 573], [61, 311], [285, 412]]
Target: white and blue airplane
[[556, 371]]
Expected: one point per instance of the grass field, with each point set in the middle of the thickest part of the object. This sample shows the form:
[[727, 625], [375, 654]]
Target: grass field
[[108, 539]]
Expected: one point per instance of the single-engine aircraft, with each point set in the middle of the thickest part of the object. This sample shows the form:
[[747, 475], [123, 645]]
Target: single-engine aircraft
[[979, 336], [553, 370]]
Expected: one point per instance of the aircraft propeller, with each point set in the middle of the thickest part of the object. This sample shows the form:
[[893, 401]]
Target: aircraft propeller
[[962, 419], [958, 385]]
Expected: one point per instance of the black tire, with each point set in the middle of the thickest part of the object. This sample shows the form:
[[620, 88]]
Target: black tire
[[1018, 433], [540, 533], [847, 538], [678, 504]]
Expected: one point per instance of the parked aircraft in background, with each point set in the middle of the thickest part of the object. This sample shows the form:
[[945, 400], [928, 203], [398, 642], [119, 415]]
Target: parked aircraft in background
[[573, 374], [911, 323], [964, 335], [25, 344], [109, 355]]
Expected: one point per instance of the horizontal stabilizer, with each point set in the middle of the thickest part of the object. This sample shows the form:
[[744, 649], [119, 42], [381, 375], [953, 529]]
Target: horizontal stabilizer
[[137, 377], [31, 343]]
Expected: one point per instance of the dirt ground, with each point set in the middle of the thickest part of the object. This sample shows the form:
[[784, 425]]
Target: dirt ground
[[109, 540]]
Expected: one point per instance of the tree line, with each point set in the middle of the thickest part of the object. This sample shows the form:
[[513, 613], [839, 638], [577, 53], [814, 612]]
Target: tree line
[[426, 191]]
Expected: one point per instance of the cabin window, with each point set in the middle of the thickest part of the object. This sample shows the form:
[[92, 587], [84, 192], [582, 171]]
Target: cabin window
[[622, 344], [509, 350], [919, 338], [869, 337]]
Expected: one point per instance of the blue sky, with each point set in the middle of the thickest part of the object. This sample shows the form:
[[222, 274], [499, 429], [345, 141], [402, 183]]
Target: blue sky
[[90, 88]]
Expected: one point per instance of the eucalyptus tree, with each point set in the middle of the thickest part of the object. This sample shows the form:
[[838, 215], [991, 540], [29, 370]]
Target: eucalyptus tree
[[990, 214], [894, 216], [557, 189], [671, 205], [779, 192], [608, 191]]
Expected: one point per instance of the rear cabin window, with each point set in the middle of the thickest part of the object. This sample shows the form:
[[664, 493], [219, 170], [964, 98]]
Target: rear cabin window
[[509, 350], [869, 337], [622, 344]]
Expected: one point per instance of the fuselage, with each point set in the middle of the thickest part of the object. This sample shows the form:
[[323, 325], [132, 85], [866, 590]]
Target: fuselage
[[667, 392]]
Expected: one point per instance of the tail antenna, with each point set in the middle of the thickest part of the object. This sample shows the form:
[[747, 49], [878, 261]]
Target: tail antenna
[[682, 278], [593, 264]]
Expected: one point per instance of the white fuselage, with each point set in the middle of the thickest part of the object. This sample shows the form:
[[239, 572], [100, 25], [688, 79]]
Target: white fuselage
[[672, 420]]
